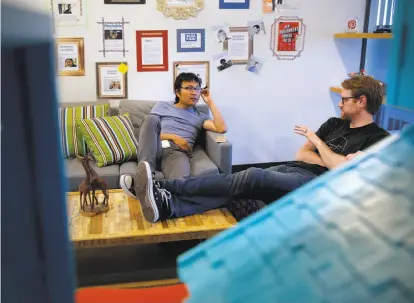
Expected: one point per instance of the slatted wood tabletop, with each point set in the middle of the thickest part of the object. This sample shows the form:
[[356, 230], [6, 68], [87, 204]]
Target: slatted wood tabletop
[[124, 224]]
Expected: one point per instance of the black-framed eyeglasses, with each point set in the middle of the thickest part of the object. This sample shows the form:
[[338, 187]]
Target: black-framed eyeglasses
[[191, 88], [344, 99]]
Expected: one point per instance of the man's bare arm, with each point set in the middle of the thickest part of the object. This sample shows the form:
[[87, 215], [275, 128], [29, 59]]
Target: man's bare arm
[[307, 154], [330, 158]]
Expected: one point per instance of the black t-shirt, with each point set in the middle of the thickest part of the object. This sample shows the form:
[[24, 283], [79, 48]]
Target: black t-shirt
[[343, 140]]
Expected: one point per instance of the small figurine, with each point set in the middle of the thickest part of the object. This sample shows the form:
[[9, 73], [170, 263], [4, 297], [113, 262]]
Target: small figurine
[[92, 182]]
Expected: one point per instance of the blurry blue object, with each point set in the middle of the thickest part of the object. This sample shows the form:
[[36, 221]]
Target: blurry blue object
[[36, 253], [395, 118], [347, 236]]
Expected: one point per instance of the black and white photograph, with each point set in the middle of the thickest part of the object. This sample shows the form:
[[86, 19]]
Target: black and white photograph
[[69, 12], [222, 61], [221, 33], [65, 8], [254, 65], [256, 28]]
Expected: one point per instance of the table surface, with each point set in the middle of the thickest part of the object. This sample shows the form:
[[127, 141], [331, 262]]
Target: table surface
[[124, 224]]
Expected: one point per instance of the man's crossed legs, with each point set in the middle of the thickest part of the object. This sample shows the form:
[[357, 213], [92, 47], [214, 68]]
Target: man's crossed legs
[[183, 197]]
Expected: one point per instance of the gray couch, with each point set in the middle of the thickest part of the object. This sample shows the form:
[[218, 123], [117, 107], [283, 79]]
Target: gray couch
[[210, 157]]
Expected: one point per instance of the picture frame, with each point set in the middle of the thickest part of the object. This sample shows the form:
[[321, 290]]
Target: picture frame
[[234, 4], [125, 1], [200, 68], [180, 9], [239, 45], [152, 41], [70, 56], [111, 83], [191, 40], [287, 37], [68, 12]]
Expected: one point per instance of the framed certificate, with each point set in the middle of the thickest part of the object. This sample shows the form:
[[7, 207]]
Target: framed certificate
[[200, 68], [180, 9], [234, 4], [239, 45], [152, 50], [111, 82], [70, 57], [191, 40]]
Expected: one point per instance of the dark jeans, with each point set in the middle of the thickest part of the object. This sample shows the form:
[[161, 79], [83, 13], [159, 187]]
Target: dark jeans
[[196, 195], [175, 163]]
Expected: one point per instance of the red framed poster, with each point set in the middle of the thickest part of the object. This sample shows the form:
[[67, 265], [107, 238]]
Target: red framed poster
[[152, 50], [288, 33], [287, 38]]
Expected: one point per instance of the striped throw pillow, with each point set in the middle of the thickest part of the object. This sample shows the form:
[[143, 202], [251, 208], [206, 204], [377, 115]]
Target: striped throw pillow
[[71, 139], [110, 139]]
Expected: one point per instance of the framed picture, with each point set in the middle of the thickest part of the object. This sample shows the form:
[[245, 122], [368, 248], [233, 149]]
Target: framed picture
[[191, 40], [152, 50], [239, 45], [287, 37], [70, 57], [111, 83], [124, 1], [234, 4], [68, 12], [200, 68], [180, 9]]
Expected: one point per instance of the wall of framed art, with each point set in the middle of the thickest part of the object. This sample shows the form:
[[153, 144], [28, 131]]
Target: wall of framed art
[[248, 82]]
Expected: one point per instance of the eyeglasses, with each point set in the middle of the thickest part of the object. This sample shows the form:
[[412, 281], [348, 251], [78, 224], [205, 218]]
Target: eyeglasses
[[191, 88], [344, 99]]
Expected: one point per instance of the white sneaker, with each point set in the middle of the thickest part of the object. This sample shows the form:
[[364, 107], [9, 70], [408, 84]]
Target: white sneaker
[[126, 183]]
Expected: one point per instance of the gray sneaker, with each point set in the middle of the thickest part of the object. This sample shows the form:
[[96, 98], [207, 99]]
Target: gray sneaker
[[155, 201], [127, 184]]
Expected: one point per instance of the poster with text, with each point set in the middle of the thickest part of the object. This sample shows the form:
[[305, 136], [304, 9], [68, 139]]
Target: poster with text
[[113, 36], [287, 37]]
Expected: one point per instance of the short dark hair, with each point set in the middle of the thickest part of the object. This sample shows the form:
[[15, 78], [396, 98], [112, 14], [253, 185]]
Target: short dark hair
[[366, 86], [184, 77], [256, 26]]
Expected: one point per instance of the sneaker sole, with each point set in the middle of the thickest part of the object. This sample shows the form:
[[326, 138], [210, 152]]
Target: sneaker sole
[[144, 191], [125, 188]]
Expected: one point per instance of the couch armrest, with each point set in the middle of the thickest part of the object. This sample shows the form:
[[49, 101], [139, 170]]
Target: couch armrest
[[219, 153]]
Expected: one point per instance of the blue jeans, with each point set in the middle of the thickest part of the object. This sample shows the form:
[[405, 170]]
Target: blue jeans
[[196, 195]]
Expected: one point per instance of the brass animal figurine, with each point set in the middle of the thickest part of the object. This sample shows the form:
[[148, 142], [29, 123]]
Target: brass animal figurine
[[95, 181], [85, 189]]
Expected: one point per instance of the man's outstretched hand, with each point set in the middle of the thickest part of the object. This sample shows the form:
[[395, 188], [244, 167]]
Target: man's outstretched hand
[[308, 133]]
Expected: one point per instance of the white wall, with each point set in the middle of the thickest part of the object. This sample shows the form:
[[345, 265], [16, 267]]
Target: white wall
[[260, 111]]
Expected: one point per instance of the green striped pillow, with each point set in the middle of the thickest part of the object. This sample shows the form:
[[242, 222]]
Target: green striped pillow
[[71, 139], [110, 139]]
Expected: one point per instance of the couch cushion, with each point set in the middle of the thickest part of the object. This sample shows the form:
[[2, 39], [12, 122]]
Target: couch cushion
[[201, 164], [76, 174], [72, 140], [110, 139]]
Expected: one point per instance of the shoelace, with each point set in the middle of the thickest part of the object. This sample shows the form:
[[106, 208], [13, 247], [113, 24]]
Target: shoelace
[[165, 194]]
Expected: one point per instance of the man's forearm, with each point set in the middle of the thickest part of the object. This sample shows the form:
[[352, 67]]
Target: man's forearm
[[165, 136], [330, 158], [221, 126], [309, 156]]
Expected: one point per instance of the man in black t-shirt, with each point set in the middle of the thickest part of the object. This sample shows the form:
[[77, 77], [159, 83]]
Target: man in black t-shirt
[[338, 140]]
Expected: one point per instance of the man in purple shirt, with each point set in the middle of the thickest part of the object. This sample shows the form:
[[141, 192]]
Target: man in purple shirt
[[176, 127]]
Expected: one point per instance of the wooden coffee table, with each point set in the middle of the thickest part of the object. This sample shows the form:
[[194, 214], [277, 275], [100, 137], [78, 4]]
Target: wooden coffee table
[[125, 224]]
